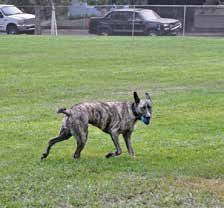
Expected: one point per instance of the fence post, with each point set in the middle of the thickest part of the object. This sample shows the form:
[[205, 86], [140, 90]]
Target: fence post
[[133, 22], [184, 23], [54, 30], [37, 20]]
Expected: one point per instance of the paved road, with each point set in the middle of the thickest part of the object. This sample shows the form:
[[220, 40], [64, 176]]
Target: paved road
[[85, 33], [67, 32], [63, 32]]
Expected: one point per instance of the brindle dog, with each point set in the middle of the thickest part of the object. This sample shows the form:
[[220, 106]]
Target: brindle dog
[[114, 118]]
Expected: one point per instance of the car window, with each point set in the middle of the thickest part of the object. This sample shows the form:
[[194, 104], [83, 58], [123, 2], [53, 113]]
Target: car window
[[137, 17], [150, 15], [11, 10], [129, 16], [120, 15], [116, 16], [1, 15]]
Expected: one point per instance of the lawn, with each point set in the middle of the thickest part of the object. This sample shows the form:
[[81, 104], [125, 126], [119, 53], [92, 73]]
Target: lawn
[[179, 158]]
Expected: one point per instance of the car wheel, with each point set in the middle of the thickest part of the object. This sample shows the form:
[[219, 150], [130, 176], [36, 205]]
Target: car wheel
[[32, 32], [153, 33], [178, 33], [105, 31], [12, 29]]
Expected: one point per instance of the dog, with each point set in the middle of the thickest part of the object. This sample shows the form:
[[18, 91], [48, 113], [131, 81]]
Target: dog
[[113, 118]]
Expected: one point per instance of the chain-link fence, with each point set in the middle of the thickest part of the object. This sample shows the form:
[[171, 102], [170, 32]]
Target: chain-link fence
[[83, 19]]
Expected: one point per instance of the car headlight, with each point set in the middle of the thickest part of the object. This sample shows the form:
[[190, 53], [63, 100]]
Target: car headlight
[[165, 25]]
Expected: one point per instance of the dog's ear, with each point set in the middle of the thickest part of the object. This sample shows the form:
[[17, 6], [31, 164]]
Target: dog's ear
[[137, 100], [147, 96]]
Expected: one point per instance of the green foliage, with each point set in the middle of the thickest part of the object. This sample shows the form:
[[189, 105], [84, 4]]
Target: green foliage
[[63, 2], [35, 2], [179, 157], [18, 2]]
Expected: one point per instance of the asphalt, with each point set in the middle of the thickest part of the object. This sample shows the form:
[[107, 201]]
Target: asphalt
[[85, 33]]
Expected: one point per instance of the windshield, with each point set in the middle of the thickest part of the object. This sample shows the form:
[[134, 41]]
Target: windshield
[[11, 10], [150, 15]]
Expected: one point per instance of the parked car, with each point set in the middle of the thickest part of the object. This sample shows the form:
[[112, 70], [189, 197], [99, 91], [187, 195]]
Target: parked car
[[14, 21], [141, 21]]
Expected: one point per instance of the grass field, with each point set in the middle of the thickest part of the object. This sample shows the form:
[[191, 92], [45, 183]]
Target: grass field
[[179, 158]]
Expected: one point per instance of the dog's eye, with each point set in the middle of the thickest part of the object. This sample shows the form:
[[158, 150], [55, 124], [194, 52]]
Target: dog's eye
[[144, 107]]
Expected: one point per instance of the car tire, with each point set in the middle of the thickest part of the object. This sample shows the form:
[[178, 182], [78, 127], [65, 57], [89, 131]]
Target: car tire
[[12, 29], [105, 31], [31, 32], [153, 33]]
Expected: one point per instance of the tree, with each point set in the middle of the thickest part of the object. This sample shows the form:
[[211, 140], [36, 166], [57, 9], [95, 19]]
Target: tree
[[18, 2]]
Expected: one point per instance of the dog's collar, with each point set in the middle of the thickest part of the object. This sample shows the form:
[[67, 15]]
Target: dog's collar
[[134, 112]]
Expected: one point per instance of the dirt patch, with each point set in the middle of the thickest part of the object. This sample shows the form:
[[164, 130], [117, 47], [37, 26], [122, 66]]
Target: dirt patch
[[212, 185]]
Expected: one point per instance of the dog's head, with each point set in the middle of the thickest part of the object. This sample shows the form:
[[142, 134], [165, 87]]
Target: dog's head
[[143, 108]]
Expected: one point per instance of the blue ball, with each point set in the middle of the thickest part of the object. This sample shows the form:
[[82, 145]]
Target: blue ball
[[145, 120]]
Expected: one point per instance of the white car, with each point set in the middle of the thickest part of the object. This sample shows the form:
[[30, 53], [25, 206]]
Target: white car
[[14, 21]]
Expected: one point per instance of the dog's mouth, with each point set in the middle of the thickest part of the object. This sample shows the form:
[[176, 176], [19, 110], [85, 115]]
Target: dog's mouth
[[145, 120]]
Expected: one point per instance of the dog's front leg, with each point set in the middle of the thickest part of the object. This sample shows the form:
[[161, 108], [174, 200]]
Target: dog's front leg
[[127, 138], [115, 140]]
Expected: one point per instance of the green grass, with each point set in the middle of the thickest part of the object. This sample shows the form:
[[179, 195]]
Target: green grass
[[179, 158]]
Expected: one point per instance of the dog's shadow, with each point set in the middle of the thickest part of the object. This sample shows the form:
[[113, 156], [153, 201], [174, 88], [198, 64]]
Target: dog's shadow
[[97, 164]]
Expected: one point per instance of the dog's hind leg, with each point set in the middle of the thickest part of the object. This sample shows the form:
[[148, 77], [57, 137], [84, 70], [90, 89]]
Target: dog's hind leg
[[64, 135], [81, 141], [115, 140], [81, 135]]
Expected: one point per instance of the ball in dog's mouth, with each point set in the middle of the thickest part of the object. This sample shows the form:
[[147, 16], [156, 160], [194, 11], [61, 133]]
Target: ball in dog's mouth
[[145, 120]]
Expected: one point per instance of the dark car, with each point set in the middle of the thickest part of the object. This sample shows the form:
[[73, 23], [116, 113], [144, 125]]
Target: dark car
[[133, 21]]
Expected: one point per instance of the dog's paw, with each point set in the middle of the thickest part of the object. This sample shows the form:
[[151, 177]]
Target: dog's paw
[[109, 155], [44, 155], [76, 156]]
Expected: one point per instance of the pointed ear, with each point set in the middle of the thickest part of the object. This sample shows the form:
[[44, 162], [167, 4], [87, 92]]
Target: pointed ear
[[137, 100], [147, 96]]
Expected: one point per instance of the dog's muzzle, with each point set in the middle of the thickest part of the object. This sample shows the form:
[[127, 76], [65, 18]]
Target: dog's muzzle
[[145, 120]]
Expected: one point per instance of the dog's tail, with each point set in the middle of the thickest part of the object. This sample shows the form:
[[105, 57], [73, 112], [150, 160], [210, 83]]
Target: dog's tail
[[64, 110]]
